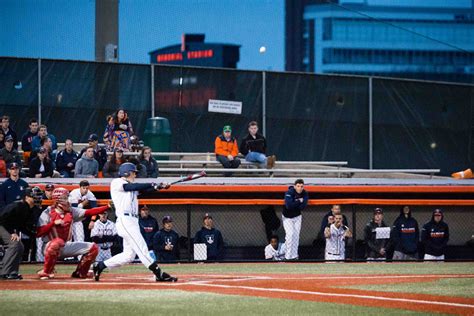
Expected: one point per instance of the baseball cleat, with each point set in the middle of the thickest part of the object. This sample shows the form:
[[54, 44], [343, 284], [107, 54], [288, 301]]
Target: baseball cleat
[[97, 270], [77, 275], [45, 276], [165, 277]]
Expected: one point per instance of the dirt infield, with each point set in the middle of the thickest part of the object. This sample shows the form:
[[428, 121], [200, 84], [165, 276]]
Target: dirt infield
[[308, 287]]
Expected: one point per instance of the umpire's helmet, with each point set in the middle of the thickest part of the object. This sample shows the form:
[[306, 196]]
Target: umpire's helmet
[[126, 168], [36, 194]]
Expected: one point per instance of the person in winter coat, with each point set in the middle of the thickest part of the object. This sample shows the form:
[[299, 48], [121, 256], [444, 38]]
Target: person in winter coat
[[66, 160], [435, 236], [87, 166], [405, 235]]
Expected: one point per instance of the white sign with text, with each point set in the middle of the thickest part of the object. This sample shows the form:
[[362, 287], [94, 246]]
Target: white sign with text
[[223, 106]]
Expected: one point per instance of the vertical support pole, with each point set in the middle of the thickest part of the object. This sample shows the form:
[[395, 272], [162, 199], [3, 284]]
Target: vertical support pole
[[188, 231], [371, 135], [39, 91], [354, 233], [264, 104], [152, 90]]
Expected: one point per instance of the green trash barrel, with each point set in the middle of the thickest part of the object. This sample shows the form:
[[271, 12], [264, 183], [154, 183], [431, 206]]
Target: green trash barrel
[[157, 135]]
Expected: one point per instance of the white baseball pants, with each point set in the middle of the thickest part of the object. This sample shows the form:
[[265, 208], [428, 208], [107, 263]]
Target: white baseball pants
[[292, 228]]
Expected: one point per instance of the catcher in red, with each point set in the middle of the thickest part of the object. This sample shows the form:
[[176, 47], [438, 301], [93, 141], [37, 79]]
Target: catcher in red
[[55, 227]]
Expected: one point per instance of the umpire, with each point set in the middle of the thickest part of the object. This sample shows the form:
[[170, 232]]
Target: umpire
[[16, 217]]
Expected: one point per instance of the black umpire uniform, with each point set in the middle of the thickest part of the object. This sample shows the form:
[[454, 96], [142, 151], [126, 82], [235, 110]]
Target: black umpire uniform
[[16, 217]]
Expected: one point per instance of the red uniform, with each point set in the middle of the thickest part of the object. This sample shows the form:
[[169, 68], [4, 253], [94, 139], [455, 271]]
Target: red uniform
[[58, 239]]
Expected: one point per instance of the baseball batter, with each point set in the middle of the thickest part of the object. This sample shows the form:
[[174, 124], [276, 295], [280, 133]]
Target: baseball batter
[[124, 194], [55, 226], [336, 235]]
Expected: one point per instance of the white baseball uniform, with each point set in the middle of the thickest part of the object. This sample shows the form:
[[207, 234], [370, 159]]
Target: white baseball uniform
[[104, 229], [292, 228], [126, 210], [335, 244], [75, 197], [275, 254]]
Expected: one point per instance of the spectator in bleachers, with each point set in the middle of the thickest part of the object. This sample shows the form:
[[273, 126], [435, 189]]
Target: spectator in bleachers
[[122, 130], [41, 166], [42, 132], [13, 188], [165, 242], [254, 146], [87, 166], [435, 236], [141, 169], [104, 233], [108, 136], [82, 198], [296, 199], [9, 153], [376, 245], [149, 162], [226, 150], [405, 235], [211, 237], [66, 160], [100, 154], [336, 235], [8, 131], [148, 226], [26, 140], [111, 167], [3, 167], [275, 250], [2, 139]]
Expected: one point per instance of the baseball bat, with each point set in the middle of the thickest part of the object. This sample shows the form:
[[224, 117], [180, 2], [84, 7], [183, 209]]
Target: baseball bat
[[191, 177]]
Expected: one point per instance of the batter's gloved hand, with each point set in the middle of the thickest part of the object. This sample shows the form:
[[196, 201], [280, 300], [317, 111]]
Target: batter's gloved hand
[[161, 186]]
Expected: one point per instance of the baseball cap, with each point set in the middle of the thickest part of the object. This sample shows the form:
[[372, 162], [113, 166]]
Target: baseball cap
[[227, 128], [167, 219], [84, 183], [207, 215], [144, 208], [13, 165], [378, 210], [437, 211], [93, 137], [49, 187], [9, 138], [42, 150]]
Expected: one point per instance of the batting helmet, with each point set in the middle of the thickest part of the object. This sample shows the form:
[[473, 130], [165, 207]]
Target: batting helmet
[[126, 168]]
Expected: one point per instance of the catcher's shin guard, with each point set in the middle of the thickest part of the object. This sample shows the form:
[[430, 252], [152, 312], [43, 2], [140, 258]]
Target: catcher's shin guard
[[51, 254], [85, 263]]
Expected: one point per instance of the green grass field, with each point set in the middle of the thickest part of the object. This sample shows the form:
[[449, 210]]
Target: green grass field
[[179, 302]]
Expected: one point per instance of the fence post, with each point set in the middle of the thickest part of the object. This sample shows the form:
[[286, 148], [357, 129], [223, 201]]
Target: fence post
[[39, 91], [354, 234], [152, 89], [264, 104], [188, 228], [371, 136]]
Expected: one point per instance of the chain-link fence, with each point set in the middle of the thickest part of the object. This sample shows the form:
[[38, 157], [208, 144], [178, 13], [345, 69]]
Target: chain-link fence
[[369, 122]]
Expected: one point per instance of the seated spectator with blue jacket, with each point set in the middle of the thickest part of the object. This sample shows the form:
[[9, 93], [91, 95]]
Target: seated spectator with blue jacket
[[405, 235], [66, 160], [165, 242]]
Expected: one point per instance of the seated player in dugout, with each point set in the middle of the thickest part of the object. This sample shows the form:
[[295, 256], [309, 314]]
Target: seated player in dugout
[[211, 237], [254, 146], [275, 250], [165, 242]]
